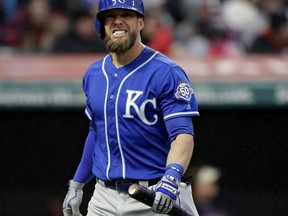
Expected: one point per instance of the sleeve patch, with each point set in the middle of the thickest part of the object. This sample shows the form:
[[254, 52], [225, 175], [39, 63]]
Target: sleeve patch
[[184, 91]]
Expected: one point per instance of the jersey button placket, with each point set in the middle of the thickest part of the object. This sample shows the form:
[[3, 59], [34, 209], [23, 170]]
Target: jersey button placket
[[111, 122]]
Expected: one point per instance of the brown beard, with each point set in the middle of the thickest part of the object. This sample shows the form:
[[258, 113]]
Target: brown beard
[[120, 46]]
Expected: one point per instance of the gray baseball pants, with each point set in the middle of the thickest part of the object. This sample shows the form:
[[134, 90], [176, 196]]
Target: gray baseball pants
[[109, 202]]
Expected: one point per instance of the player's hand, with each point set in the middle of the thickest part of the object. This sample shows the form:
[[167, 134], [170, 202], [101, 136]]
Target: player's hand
[[166, 192], [73, 199]]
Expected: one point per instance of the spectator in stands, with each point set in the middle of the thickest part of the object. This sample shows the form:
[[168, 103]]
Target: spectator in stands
[[196, 43], [156, 34], [81, 37], [32, 28], [243, 19], [211, 35], [220, 40], [187, 41], [267, 6], [175, 8], [42, 27], [206, 191], [274, 40], [12, 29]]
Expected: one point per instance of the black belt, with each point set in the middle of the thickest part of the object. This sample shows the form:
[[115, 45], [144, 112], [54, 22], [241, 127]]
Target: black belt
[[124, 184]]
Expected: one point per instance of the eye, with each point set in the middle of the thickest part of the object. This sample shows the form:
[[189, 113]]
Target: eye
[[127, 14], [109, 15]]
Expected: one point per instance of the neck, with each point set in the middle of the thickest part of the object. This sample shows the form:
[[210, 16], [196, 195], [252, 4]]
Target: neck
[[122, 59]]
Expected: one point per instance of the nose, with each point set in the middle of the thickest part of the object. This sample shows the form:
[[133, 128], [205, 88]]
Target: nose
[[118, 19]]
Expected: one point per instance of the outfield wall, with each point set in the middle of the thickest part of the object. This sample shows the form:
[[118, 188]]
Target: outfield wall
[[55, 81]]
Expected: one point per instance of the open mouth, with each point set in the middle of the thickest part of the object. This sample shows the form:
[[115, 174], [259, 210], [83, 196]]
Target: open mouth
[[119, 33]]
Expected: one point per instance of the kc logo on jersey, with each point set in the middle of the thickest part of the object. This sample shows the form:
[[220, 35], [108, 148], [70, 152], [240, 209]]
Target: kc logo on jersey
[[184, 91], [133, 95]]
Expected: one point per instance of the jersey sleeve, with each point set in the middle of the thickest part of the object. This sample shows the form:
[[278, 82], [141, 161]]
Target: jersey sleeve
[[180, 125], [177, 97], [84, 172]]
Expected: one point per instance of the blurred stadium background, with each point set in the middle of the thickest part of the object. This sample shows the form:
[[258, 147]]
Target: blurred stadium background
[[235, 53]]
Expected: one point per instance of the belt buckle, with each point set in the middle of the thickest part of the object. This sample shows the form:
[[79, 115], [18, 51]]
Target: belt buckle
[[117, 183]]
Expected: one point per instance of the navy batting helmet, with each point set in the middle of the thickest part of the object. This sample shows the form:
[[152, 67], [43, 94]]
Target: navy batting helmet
[[104, 5]]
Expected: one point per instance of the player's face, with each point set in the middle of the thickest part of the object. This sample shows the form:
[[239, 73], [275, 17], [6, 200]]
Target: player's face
[[122, 28]]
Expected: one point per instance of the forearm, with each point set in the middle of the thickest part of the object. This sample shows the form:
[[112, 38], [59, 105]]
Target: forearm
[[181, 150], [84, 173], [178, 160]]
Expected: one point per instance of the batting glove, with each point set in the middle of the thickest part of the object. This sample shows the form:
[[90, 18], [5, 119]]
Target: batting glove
[[166, 190], [73, 199]]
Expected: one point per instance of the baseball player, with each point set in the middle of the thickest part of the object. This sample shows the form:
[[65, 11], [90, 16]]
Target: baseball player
[[140, 105]]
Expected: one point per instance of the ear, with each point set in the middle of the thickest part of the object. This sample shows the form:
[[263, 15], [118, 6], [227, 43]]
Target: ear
[[141, 24]]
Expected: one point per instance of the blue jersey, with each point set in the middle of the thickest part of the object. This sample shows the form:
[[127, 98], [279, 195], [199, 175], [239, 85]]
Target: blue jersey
[[129, 108]]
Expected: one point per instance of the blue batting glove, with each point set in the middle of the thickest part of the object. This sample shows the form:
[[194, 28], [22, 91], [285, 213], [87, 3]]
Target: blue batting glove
[[166, 190]]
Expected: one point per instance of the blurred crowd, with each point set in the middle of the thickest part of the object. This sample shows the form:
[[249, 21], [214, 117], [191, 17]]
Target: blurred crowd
[[174, 27]]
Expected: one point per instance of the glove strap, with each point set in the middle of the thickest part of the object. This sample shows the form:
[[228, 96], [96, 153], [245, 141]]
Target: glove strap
[[175, 170], [74, 184]]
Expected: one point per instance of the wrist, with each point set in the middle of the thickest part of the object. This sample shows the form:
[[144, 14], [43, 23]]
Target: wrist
[[75, 184], [175, 170]]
